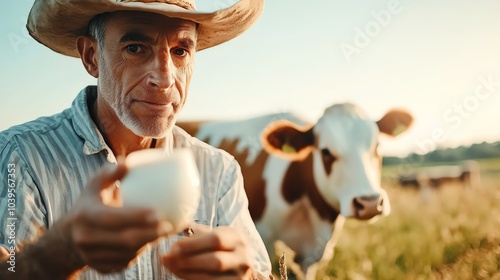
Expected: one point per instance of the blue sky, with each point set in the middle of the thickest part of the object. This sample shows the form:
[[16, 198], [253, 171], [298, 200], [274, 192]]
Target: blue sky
[[438, 59]]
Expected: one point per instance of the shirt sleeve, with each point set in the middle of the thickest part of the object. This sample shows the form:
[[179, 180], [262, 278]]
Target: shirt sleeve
[[23, 215], [232, 210]]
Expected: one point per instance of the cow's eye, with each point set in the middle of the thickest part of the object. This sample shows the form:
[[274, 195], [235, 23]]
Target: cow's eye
[[327, 155], [328, 160]]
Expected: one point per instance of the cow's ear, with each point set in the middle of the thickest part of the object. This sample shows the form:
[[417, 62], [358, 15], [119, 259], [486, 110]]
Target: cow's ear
[[288, 140], [395, 122]]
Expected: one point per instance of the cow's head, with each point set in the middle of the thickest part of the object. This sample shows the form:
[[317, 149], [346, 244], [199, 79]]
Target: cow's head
[[346, 162]]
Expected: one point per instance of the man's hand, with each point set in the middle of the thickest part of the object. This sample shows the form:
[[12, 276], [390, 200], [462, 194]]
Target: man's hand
[[218, 254], [106, 237]]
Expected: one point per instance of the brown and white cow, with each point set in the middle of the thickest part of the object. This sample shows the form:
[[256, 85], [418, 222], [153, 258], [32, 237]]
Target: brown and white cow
[[466, 174], [299, 177]]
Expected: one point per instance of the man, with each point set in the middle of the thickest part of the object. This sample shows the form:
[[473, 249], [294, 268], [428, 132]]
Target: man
[[59, 200]]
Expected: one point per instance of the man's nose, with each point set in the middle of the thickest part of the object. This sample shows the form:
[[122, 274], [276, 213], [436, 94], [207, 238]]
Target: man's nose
[[162, 73]]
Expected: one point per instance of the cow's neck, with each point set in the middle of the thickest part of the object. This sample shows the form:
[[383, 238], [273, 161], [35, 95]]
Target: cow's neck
[[299, 182]]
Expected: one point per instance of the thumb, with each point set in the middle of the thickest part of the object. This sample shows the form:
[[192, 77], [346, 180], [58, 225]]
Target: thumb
[[108, 176]]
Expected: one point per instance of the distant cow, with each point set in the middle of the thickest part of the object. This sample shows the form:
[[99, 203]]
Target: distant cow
[[306, 175], [466, 174]]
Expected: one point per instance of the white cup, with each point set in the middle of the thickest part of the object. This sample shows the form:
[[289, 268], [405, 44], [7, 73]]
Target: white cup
[[168, 183]]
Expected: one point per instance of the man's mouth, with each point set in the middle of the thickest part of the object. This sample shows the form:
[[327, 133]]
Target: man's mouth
[[155, 105]]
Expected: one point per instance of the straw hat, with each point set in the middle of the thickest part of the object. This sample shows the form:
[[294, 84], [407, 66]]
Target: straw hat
[[57, 23]]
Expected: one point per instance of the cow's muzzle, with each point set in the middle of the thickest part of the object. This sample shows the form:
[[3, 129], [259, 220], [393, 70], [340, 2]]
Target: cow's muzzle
[[367, 207]]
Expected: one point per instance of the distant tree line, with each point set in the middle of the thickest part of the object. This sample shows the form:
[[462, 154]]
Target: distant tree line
[[475, 151]]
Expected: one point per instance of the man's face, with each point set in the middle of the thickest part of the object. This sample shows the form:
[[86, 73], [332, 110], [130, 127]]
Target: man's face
[[144, 69]]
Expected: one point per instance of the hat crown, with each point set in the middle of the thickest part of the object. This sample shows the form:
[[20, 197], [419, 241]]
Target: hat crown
[[58, 23], [186, 4]]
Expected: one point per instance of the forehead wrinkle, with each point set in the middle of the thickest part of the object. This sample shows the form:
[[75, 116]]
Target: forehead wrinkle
[[134, 35], [185, 30]]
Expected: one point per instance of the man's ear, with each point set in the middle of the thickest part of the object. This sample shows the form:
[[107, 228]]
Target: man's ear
[[395, 122], [87, 48], [286, 139]]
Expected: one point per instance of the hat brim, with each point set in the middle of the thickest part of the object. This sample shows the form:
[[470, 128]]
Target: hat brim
[[56, 24]]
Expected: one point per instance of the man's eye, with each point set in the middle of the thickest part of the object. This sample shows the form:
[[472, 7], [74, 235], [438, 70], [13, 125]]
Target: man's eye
[[134, 48], [180, 52]]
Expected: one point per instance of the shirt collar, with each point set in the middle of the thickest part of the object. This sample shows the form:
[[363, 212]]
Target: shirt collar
[[83, 124]]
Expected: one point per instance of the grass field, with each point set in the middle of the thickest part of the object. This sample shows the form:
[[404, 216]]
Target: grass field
[[448, 233]]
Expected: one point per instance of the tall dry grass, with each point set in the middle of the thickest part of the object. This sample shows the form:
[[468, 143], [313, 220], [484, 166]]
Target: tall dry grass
[[446, 233]]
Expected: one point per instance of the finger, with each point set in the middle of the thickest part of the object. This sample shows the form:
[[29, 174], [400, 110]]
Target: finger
[[221, 239], [117, 200], [109, 260], [115, 258], [121, 170], [96, 239], [3, 253], [107, 177], [120, 160], [218, 261], [110, 256], [111, 218]]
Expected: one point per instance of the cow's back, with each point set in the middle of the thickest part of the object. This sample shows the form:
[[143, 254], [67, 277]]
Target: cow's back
[[242, 140]]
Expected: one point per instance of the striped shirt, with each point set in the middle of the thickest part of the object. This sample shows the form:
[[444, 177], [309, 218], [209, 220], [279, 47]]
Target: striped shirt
[[52, 158]]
